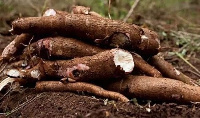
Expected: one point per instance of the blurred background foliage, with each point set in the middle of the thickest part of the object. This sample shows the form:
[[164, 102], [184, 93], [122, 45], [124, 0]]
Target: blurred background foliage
[[176, 21]]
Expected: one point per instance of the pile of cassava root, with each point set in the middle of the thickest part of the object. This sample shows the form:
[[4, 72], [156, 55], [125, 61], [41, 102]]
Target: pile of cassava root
[[83, 51]]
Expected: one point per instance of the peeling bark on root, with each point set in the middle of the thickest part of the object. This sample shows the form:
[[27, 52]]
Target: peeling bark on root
[[16, 46], [105, 65], [168, 70], [79, 86], [162, 89], [87, 27]]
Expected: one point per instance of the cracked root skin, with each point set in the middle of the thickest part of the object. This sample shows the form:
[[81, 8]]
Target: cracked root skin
[[105, 65], [88, 27], [162, 89], [169, 70], [79, 86]]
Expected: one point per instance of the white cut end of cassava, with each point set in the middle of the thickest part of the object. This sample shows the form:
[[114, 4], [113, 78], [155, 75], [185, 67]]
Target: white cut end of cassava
[[71, 80], [49, 12], [11, 30], [124, 59], [35, 74], [5, 82], [177, 72], [144, 37], [148, 110], [86, 12], [13, 73]]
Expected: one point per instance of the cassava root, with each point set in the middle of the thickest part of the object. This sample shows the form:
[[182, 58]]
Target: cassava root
[[162, 89], [79, 86], [108, 64], [168, 70], [67, 48], [61, 48], [70, 60], [91, 28]]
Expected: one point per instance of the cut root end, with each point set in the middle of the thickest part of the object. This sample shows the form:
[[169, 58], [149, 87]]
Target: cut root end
[[124, 59], [49, 12], [13, 73]]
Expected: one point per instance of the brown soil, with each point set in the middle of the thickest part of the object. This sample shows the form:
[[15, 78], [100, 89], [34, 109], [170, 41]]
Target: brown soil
[[57, 104], [26, 102]]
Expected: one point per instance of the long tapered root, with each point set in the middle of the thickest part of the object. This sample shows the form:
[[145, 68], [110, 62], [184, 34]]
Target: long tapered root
[[67, 48], [162, 89], [62, 48], [79, 86], [90, 27], [108, 64], [169, 70], [144, 67]]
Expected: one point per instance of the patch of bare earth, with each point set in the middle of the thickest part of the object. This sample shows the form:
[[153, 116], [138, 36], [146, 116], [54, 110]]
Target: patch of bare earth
[[57, 104]]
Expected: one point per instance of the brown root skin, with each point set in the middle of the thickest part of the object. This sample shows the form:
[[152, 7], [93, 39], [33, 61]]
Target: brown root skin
[[169, 70], [162, 89], [144, 67], [93, 13], [88, 27], [150, 37], [80, 10], [65, 48], [61, 47], [84, 10], [16, 46], [104, 65], [79, 86]]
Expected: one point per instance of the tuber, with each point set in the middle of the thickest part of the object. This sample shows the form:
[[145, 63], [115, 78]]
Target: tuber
[[61, 47], [168, 70], [66, 48], [104, 65], [162, 89], [88, 27], [144, 67], [78, 86]]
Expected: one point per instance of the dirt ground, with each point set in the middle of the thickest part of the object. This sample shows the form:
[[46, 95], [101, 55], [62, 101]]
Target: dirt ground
[[25, 102], [59, 105]]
